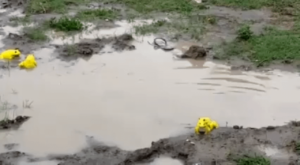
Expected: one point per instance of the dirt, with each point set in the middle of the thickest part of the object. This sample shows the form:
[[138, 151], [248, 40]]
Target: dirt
[[22, 42], [86, 48], [222, 147], [13, 124]]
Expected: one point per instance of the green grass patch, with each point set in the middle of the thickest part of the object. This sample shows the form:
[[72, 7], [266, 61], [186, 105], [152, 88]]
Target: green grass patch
[[255, 160], [35, 33], [47, 6], [97, 14], [297, 147], [65, 24], [275, 45], [146, 6], [193, 26]]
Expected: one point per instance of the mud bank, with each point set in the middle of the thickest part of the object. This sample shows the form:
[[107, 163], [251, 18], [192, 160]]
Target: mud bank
[[224, 146], [13, 124], [87, 47]]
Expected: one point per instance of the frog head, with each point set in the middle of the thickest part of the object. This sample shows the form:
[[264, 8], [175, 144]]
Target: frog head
[[203, 125], [16, 52]]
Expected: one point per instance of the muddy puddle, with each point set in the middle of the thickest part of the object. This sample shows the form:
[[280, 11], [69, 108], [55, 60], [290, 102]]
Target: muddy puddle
[[132, 98]]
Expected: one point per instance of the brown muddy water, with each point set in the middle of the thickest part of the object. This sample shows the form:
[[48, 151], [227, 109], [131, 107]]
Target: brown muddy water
[[131, 98]]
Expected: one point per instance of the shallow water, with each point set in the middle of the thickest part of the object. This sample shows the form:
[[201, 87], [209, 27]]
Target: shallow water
[[132, 98]]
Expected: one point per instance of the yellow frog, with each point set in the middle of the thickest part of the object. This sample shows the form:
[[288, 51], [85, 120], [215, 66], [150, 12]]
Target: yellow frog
[[10, 54], [205, 125], [29, 62]]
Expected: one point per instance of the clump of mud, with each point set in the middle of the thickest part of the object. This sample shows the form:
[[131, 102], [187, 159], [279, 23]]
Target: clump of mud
[[13, 124], [86, 48], [83, 49], [195, 52], [222, 147], [121, 43]]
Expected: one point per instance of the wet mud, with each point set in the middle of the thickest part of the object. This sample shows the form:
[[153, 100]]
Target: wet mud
[[14, 123], [12, 157], [22, 42], [86, 48], [222, 147]]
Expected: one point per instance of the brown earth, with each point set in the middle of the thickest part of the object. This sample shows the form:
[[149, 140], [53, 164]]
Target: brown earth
[[220, 148], [86, 48]]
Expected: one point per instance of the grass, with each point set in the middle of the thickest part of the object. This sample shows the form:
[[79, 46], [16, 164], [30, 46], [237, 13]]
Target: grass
[[4, 108], [273, 46], [191, 25], [102, 14], [177, 6], [47, 6], [256, 160], [35, 33], [65, 24], [27, 104]]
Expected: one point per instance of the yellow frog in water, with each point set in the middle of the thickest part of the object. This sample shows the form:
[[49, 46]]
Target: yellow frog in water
[[205, 125], [29, 62], [10, 54]]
